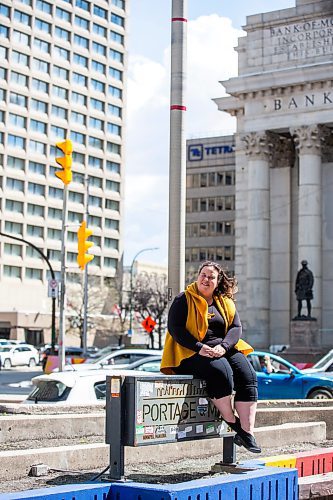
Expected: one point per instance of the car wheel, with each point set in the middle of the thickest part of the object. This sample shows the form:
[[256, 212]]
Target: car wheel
[[7, 363], [32, 363], [320, 394]]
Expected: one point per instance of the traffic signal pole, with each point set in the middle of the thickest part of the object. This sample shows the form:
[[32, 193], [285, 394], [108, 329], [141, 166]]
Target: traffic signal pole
[[85, 278], [62, 319]]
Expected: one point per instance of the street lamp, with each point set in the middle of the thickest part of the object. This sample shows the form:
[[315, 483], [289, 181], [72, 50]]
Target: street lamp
[[131, 285]]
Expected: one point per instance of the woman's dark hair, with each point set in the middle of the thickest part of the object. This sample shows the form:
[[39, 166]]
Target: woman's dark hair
[[226, 285]]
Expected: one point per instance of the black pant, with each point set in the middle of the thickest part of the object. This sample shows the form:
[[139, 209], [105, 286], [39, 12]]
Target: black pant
[[231, 372]]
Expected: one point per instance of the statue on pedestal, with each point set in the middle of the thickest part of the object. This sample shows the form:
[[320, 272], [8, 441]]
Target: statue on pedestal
[[303, 290]]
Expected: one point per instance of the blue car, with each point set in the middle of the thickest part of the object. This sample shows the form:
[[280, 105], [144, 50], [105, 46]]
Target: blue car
[[279, 379]]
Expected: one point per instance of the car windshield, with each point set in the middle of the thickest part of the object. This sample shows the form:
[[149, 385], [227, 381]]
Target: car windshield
[[151, 366], [5, 349], [322, 362], [49, 390]]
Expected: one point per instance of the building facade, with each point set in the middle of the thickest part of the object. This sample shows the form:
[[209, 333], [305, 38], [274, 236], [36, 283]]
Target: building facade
[[210, 203], [62, 75], [283, 102]]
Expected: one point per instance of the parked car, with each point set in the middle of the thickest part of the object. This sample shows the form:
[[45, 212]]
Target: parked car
[[325, 364], [121, 357], [288, 382], [18, 355], [70, 352], [81, 387]]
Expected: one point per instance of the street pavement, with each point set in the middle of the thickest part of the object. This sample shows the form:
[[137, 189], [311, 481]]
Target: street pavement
[[18, 380]]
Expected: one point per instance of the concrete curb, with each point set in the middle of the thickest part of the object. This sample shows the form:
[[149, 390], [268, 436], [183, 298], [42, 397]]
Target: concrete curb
[[16, 464], [319, 486]]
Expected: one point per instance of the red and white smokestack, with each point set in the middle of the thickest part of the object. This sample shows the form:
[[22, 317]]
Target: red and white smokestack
[[177, 161]]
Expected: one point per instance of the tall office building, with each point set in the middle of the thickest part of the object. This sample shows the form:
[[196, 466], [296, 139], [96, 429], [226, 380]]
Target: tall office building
[[210, 203], [62, 73]]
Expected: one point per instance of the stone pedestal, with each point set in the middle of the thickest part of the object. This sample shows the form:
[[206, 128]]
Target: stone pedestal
[[304, 334]]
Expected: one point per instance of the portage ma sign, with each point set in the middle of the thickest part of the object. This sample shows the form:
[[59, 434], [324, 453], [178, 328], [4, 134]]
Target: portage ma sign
[[169, 409]]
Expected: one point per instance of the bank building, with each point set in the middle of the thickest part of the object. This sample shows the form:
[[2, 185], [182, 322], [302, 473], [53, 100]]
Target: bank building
[[283, 101]]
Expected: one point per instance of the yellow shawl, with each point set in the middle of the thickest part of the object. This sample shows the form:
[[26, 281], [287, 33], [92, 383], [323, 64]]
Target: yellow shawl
[[197, 325]]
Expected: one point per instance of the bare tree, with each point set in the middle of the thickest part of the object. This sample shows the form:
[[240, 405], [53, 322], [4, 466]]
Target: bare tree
[[150, 298]]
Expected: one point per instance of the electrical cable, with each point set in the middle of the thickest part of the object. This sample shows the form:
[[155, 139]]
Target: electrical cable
[[101, 473]]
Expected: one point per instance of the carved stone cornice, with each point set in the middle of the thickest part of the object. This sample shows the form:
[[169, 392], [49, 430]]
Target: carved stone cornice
[[283, 151], [258, 145], [310, 139]]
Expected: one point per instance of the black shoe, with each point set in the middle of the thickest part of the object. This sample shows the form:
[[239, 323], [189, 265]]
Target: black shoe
[[247, 440]]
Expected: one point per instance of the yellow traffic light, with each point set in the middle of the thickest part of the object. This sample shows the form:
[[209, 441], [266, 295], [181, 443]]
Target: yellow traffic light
[[83, 245], [65, 161]]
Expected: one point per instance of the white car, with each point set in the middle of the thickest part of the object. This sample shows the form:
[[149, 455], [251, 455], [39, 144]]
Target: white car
[[121, 357], [18, 355], [82, 387], [325, 364]]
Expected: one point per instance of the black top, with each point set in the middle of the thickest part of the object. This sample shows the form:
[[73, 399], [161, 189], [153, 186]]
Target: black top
[[216, 327]]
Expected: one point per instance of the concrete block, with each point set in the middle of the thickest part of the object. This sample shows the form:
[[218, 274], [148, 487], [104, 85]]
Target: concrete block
[[320, 486]]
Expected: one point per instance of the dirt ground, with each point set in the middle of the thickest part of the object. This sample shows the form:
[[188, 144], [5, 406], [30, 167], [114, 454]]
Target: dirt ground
[[173, 472]]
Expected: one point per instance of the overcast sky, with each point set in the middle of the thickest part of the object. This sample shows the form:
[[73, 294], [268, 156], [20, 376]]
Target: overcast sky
[[213, 29]]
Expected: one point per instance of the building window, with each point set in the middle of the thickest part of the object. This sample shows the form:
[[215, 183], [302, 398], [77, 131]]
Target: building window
[[112, 205], [13, 228], [75, 197], [94, 142], [95, 181], [98, 67], [43, 26], [63, 14], [82, 23], [40, 86], [54, 255], [12, 271], [113, 148], [99, 30], [39, 106], [116, 74], [13, 162], [33, 274], [96, 123], [58, 132], [120, 21], [42, 45], [37, 147], [55, 193], [95, 221], [61, 53], [99, 48], [44, 6], [117, 37], [35, 210], [5, 11], [36, 189], [78, 158], [14, 206], [59, 112], [112, 186], [79, 99], [75, 217], [98, 11], [59, 92], [54, 234], [14, 250], [110, 262], [41, 66], [95, 201], [83, 4], [15, 141], [35, 231], [31, 253], [114, 129], [79, 79], [54, 213], [20, 38], [95, 162], [62, 34], [111, 223], [37, 126], [19, 79], [111, 243], [36, 168], [78, 138], [81, 41], [97, 104], [17, 121], [112, 166], [78, 118], [4, 31], [97, 85], [119, 3], [18, 99], [115, 92], [115, 55], [81, 60], [59, 72], [114, 110], [19, 58]]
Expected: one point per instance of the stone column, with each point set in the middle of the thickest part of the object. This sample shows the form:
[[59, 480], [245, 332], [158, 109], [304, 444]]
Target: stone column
[[258, 150], [308, 141]]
